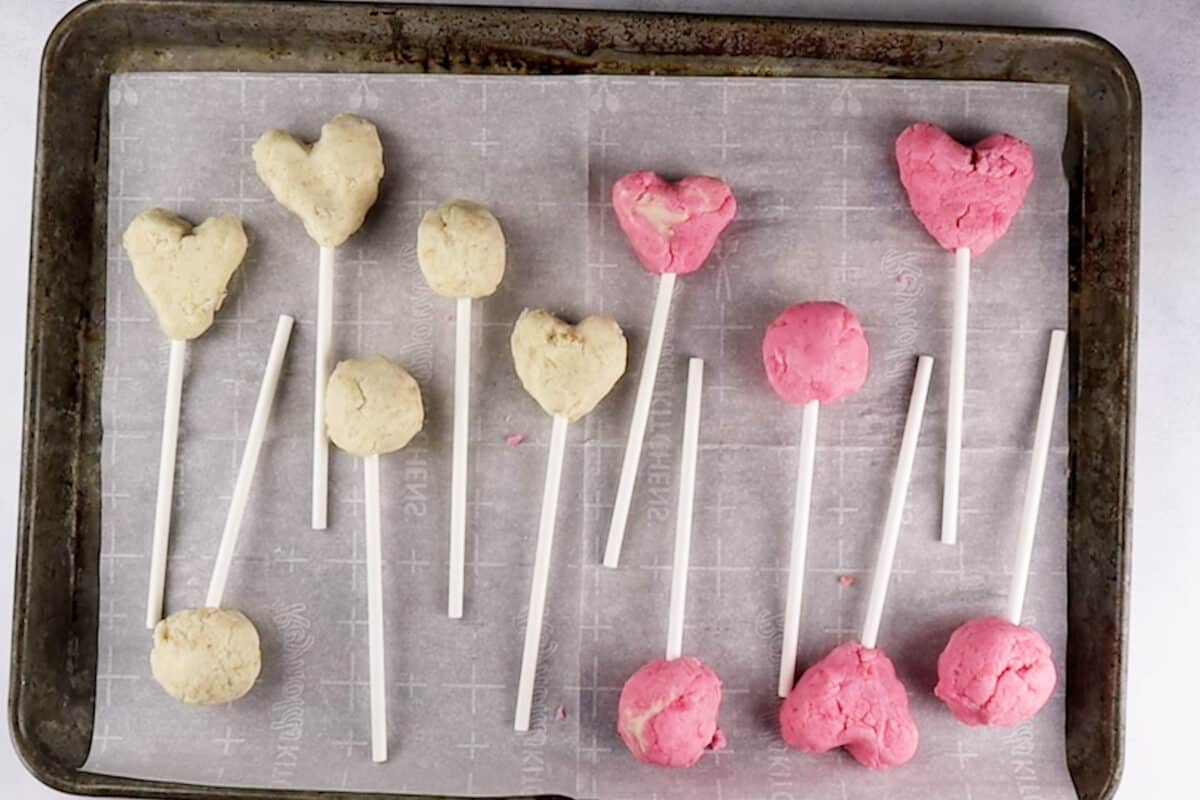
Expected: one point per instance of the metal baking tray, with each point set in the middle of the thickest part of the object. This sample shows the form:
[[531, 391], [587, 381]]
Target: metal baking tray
[[56, 613]]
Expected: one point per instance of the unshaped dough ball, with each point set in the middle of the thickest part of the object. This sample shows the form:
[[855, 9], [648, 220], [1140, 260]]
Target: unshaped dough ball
[[460, 248], [206, 656], [568, 369], [372, 406], [667, 714], [184, 270]]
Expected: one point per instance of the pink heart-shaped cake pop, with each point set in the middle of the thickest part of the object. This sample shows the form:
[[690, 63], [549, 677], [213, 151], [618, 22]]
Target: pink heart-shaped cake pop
[[964, 196], [672, 226], [853, 699]]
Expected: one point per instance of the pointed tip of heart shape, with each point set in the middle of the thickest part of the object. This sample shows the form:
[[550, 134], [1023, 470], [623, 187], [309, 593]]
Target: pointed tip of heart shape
[[184, 271], [853, 699], [995, 673], [568, 369], [672, 227], [964, 196], [331, 184]]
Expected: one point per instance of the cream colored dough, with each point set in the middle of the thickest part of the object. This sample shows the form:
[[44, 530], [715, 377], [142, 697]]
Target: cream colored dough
[[372, 406], [182, 270], [206, 656], [460, 248], [568, 369], [329, 185]]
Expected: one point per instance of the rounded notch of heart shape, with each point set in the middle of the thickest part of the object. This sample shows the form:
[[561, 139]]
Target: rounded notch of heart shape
[[966, 197], [853, 699], [567, 369], [672, 226], [184, 271], [372, 406], [331, 184]]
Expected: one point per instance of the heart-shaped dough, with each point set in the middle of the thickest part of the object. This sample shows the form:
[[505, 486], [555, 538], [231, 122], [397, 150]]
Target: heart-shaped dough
[[182, 270], [372, 406], [568, 369], [964, 196], [672, 226], [330, 185], [853, 699]]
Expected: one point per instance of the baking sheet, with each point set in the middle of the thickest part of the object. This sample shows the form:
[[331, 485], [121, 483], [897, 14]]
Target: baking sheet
[[821, 216]]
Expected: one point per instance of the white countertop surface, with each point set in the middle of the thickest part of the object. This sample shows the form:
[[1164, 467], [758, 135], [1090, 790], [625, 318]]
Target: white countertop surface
[[1158, 36]]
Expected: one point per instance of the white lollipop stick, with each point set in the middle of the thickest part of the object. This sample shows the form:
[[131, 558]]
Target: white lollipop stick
[[541, 573], [245, 476], [320, 443], [958, 381], [641, 415], [166, 482], [895, 510], [458, 479], [378, 680], [795, 585], [1037, 474], [683, 512]]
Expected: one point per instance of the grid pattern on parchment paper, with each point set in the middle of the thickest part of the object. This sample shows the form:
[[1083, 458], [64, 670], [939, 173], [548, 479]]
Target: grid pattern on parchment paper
[[821, 217]]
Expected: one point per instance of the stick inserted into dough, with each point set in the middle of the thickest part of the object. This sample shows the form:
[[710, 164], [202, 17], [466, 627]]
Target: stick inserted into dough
[[541, 572], [954, 407], [320, 442], [245, 476], [683, 511], [882, 575], [458, 471], [166, 482], [376, 652]]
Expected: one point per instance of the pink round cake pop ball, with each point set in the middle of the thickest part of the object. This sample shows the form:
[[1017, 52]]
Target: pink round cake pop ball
[[852, 699], [672, 226], [667, 714], [964, 196], [995, 673], [816, 351]]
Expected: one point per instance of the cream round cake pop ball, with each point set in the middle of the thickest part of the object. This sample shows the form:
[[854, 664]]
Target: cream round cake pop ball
[[182, 270], [372, 406], [816, 351], [206, 656], [460, 248], [667, 714], [568, 369]]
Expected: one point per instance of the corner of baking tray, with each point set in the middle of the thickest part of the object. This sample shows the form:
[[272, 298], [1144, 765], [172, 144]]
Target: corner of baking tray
[[1103, 53]]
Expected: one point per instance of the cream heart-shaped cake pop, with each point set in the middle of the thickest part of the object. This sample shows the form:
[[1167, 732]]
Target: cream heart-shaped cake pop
[[331, 184], [182, 270], [568, 369]]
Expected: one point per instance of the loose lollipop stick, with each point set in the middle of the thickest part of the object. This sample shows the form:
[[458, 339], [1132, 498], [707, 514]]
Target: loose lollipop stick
[[795, 586], [166, 482], [895, 510], [1037, 474], [683, 512], [541, 573], [641, 414], [320, 443], [245, 476], [458, 479], [378, 681], [958, 380]]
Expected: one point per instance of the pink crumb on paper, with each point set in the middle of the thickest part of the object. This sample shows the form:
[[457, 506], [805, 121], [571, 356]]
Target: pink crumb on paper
[[846, 580], [449, 318], [904, 279], [719, 742], [560, 713], [515, 439]]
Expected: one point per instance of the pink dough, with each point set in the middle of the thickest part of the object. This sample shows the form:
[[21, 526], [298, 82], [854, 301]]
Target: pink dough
[[995, 673], [964, 196], [853, 699], [816, 351], [672, 226], [668, 712]]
